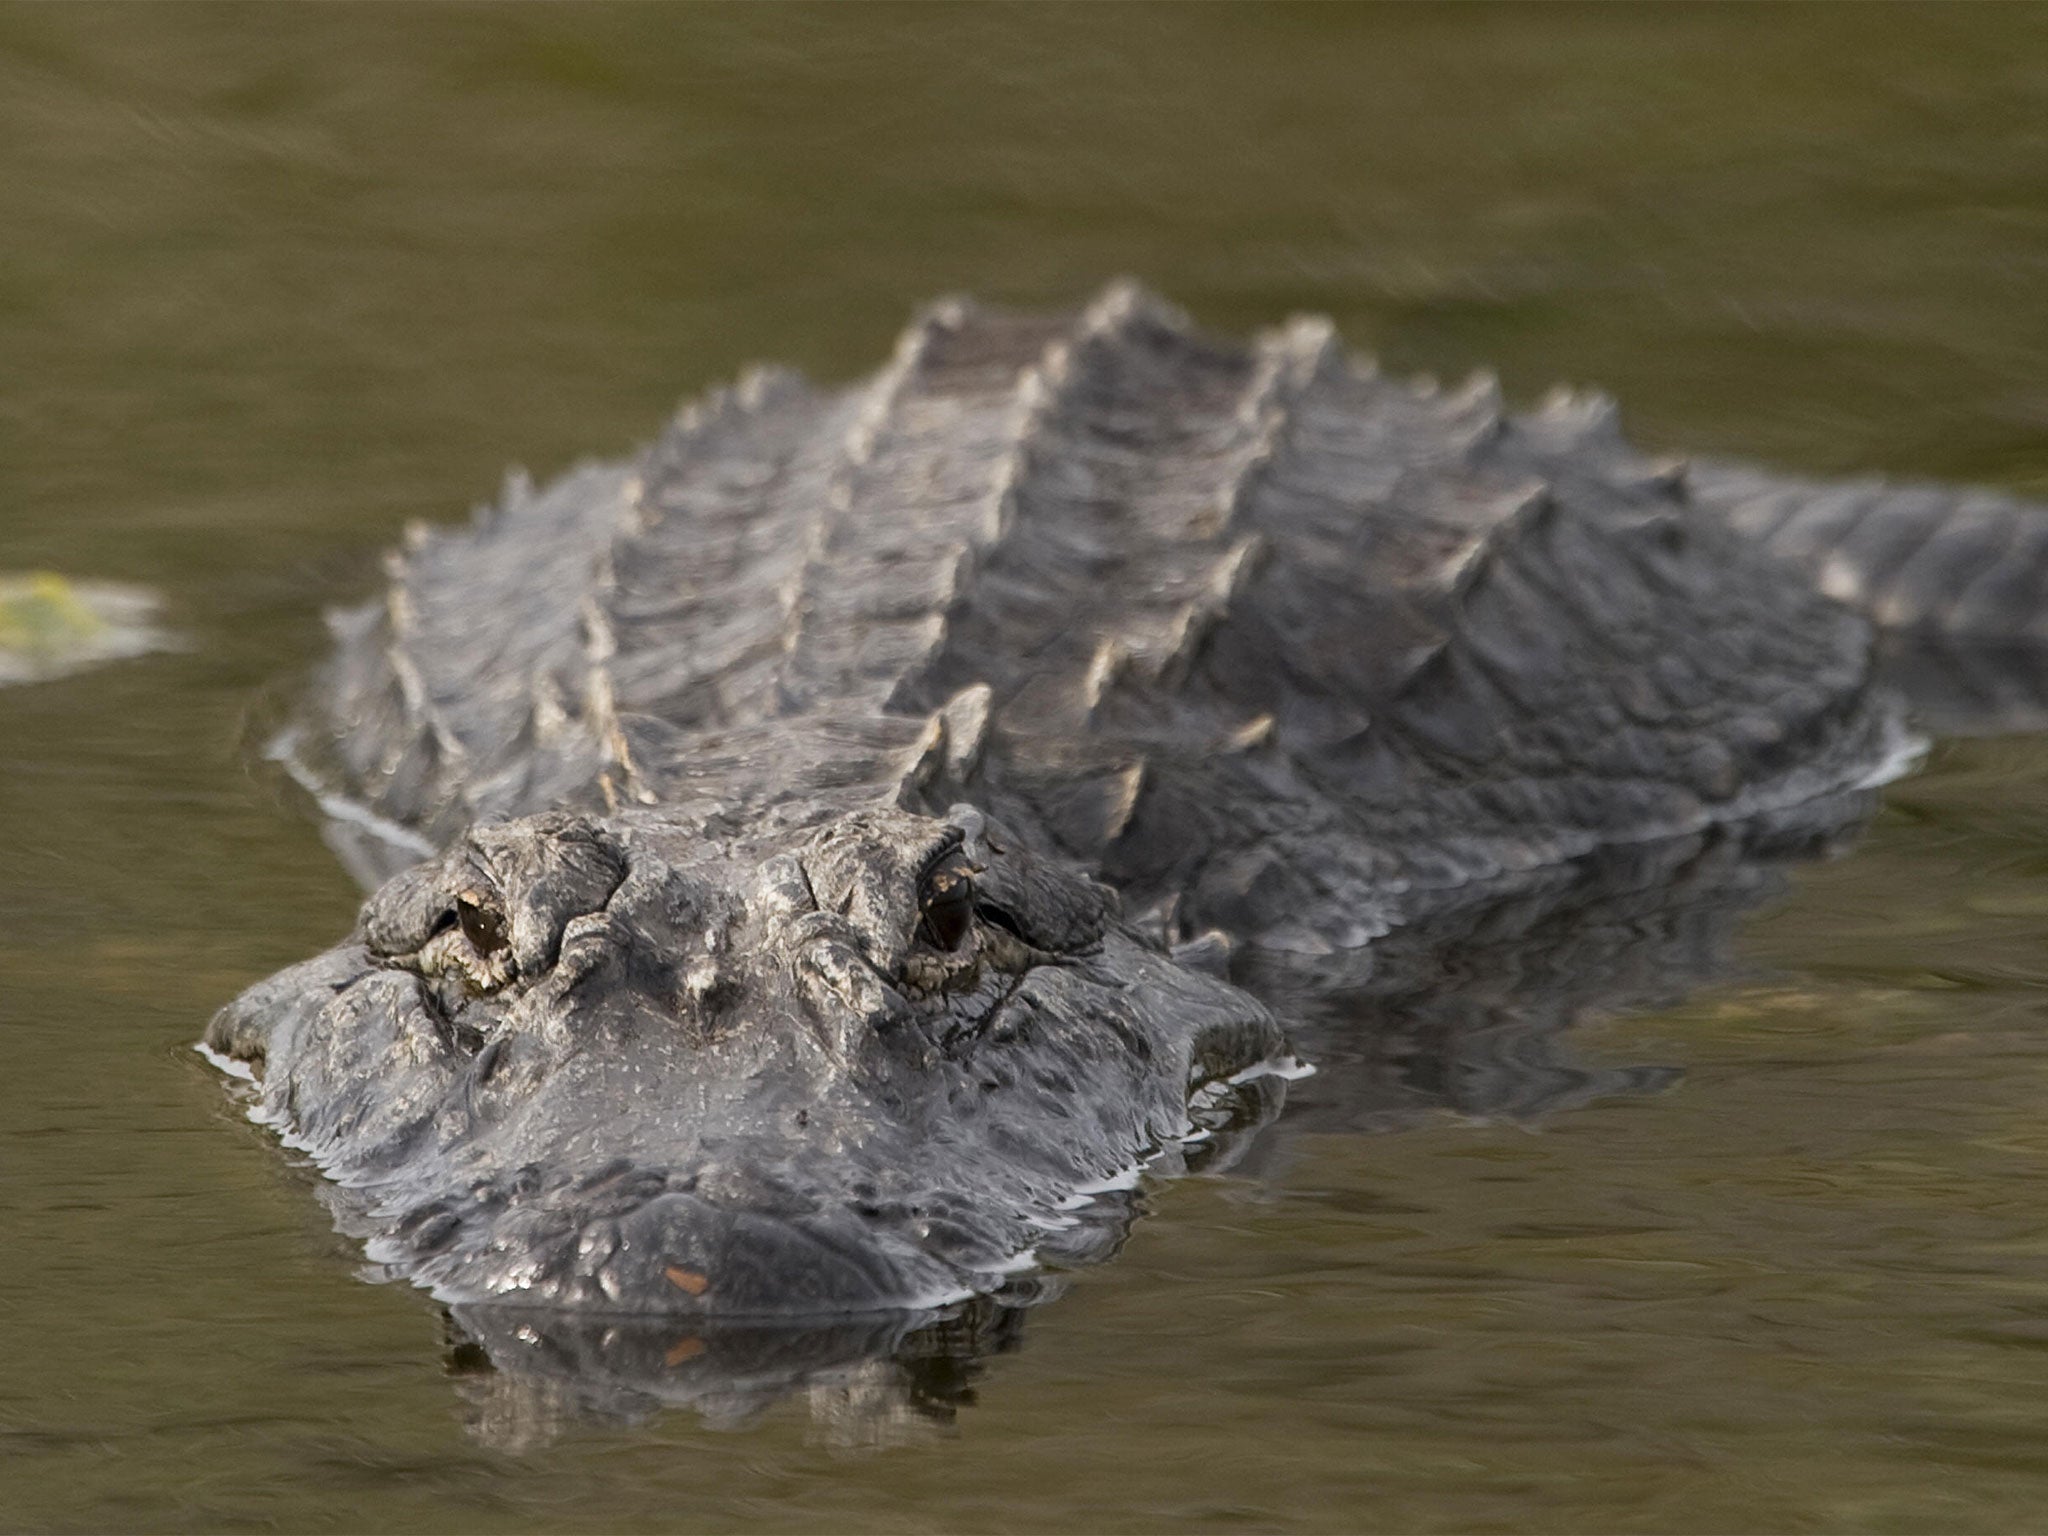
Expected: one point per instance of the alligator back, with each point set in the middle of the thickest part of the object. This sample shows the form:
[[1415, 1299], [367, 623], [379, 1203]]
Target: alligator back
[[1276, 644]]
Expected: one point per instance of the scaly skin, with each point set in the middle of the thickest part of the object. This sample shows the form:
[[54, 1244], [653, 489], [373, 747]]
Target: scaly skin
[[842, 821]]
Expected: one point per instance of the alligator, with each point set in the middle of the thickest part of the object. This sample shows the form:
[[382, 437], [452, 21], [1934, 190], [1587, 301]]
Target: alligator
[[822, 864]]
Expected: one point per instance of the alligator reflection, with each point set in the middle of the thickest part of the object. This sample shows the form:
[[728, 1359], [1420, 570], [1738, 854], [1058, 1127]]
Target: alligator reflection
[[1466, 1012], [526, 1375]]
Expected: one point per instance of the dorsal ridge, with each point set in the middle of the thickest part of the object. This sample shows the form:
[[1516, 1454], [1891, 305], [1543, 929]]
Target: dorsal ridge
[[928, 474], [1288, 361]]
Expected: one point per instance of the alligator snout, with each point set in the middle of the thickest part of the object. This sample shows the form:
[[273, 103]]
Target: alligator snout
[[593, 1063]]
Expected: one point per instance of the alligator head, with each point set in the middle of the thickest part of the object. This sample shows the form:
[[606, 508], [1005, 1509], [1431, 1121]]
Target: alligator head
[[819, 1065]]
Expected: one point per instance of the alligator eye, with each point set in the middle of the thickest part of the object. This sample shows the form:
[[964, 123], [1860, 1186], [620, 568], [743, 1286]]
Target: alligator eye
[[947, 905], [482, 926]]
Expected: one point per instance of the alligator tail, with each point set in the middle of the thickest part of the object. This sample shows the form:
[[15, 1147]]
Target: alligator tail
[[1956, 581]]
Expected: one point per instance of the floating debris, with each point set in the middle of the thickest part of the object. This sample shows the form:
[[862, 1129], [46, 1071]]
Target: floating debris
[[50, 626]]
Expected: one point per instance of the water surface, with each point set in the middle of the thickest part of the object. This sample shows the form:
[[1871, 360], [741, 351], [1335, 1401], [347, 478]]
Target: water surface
[[274, 281]]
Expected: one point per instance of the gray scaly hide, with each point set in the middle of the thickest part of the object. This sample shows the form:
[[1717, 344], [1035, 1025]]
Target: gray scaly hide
[[875, 822]]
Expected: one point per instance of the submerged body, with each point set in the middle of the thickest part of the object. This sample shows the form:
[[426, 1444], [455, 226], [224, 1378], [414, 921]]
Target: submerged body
[[851, 841]]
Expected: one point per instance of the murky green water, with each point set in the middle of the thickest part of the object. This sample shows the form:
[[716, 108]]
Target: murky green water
[[274, 280]]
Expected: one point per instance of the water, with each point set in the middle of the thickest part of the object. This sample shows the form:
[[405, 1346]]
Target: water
[[273, 281]]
